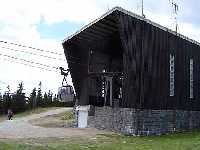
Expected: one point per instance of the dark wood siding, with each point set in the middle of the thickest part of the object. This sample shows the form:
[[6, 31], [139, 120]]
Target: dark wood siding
[[146, 67], [145, 52]]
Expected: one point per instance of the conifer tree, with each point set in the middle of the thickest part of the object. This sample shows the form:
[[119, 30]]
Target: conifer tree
[[19, 100], [45, 99], [32, 99], [6, 104], [39, 98], [1, 103], [50, 97]]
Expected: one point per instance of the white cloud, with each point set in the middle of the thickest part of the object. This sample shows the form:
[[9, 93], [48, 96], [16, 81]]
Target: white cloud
[[19, 20]]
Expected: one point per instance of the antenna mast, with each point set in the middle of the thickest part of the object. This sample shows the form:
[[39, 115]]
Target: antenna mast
[[175, 9], [143, 15]]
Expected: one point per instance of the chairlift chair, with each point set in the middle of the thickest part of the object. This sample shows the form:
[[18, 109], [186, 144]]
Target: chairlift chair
[[66, 92]]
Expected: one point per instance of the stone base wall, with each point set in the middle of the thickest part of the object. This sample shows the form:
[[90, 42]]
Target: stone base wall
[[143, 122]]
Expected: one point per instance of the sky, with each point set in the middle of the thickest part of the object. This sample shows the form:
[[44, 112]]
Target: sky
[[44, 24]]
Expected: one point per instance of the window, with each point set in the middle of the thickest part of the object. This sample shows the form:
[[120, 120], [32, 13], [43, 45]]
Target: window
[[191, 79], [171, 74]]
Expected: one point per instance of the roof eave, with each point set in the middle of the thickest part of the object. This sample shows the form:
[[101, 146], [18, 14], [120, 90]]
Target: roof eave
[[120, 9]]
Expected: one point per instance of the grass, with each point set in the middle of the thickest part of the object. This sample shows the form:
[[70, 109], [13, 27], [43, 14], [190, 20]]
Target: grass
[[177, 141], [69, 115]]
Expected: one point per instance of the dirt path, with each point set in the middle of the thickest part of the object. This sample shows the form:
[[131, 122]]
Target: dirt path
[[21, 128]]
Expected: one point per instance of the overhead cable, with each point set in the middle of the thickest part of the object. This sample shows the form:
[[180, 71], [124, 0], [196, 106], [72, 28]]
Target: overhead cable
[[16, 50], [42, 50], [29, 65], [12, 57], [20, 45]]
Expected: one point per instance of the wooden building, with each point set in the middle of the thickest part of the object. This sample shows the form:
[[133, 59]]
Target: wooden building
[[128, 66]]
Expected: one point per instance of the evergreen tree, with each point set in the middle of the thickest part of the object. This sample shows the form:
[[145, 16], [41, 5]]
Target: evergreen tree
[[45, 99], [55, 99], [1, 103], [50, 97], [7, 101], [39, 98], [32, 99], [19, 100]]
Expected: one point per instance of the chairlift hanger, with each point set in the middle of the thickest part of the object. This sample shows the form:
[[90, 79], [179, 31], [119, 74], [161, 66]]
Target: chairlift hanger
[[65, 73]]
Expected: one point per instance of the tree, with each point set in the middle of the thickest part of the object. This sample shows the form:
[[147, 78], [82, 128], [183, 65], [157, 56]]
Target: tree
[[45, 99], [7, 101], [39, 98], [19, 100], [32, 99], [1, 103], [50, 97], [55, 99]]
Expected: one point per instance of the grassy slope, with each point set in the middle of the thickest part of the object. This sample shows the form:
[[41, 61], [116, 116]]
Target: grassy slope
[[186, 141]]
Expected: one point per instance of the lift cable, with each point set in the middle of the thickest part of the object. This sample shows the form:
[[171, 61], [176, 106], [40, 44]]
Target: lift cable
[[74, 62], [78, 63], [41, 50], [25, 64], [27, 61], [20, 45], [16, 50]]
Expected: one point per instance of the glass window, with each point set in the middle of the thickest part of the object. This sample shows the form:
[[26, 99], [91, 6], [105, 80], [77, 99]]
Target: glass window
[[171, 74], [191, 78]]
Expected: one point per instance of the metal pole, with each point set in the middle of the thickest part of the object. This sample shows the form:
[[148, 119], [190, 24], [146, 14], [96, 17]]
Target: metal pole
[[143, 15], [142, 8]]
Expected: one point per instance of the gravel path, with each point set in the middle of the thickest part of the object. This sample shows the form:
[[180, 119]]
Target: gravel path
[[21, 128]]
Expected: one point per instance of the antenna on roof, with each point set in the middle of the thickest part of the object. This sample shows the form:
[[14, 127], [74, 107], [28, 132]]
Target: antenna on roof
[[108, 8], [143, 15], [175, 8], [141, 5]]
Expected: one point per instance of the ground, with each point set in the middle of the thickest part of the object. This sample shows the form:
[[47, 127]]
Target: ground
[[37, 132], [22, 128]]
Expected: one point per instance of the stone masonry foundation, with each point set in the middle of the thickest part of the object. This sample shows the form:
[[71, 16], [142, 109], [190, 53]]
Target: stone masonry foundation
[[143, 122]]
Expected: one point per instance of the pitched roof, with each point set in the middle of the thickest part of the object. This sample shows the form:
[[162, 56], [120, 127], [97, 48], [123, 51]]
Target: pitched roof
[[119, 9]]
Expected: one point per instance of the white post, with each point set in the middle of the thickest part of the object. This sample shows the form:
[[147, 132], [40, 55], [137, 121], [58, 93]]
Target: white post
[[82, 116]]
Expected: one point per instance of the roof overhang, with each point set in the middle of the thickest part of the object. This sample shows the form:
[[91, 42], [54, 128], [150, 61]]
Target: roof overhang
[[104, 25]]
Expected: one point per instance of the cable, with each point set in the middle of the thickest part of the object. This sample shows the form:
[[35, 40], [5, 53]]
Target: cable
[[29, 65], [42, 50], [20, 45], [12, 57], [16, 50], [39, 55], [38, 50]]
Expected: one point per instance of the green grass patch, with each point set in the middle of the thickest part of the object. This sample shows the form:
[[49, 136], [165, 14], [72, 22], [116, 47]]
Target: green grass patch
[[69, 115], [177, 141]]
